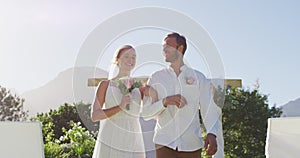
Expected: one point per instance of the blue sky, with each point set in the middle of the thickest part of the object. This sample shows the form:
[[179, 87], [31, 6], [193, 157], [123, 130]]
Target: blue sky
[[257, 40]]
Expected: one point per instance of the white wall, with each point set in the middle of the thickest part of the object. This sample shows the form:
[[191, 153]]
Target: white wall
[[21, 140], [283, 137]]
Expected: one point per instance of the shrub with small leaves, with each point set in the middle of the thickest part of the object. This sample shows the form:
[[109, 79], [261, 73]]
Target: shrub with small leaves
[[81, 140]]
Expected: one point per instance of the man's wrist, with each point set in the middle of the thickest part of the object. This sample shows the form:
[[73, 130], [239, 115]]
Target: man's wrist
[[212, 134], [164, 102]]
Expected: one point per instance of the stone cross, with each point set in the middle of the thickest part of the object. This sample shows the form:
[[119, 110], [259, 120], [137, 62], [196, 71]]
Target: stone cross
[[234, 83]]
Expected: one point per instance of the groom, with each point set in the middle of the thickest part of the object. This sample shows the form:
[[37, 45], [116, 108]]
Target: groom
[[181, 91]]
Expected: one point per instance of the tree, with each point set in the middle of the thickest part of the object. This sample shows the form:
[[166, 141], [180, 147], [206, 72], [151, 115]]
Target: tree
[[245, 115], [58, 118], [11, 106]]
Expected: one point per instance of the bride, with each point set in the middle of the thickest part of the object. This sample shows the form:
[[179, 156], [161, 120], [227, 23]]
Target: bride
[[120, 134]]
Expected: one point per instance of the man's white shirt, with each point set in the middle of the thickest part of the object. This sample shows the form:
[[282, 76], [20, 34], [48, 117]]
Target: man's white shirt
[[180, 127]]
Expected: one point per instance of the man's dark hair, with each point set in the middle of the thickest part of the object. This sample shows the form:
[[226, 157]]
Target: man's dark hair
[[179, 39]]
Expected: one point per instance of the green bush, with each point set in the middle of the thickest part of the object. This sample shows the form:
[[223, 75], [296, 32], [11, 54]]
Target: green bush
[[62, 137], [76, 142], [82, 142], [60, 118]]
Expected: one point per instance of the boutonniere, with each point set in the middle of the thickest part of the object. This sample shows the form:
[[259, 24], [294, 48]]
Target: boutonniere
[[190, 80]]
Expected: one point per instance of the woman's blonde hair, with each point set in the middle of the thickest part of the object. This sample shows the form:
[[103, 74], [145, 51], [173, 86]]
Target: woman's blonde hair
[[119, 52]]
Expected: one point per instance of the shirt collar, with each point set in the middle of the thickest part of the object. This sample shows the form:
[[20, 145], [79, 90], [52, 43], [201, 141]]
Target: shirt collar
[[182, 68]]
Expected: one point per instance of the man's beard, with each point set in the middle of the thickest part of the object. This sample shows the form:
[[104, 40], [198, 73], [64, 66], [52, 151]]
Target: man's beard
[[173, 58]]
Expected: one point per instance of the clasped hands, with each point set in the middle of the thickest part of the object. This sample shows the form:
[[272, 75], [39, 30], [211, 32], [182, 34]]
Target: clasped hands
[[176, 100]]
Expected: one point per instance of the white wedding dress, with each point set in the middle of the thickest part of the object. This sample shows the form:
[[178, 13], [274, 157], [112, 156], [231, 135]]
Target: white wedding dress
[[120, 136]]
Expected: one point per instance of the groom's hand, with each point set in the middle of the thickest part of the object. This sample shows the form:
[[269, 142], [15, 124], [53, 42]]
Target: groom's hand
[[210, 144], [176, 100]]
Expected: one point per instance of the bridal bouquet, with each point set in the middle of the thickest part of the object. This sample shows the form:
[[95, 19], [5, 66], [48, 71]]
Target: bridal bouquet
[[126, 85]]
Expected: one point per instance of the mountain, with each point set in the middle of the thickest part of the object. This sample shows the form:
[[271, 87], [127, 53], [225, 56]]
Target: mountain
[[291, 109], [68, 86]]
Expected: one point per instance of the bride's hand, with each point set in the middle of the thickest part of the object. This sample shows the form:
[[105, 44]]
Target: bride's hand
[[149, 91], [125, 100]]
